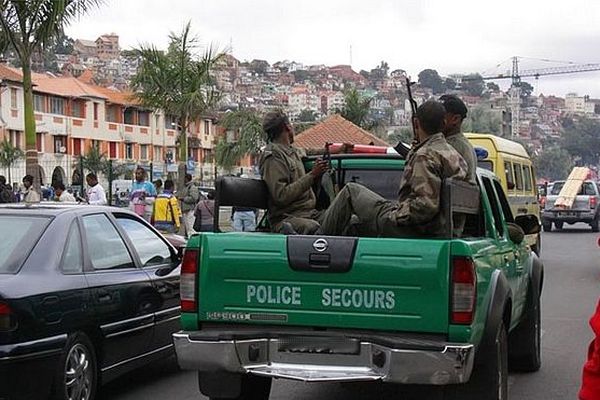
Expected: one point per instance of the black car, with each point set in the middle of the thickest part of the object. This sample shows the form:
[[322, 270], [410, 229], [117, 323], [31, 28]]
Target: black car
[[86, 294]]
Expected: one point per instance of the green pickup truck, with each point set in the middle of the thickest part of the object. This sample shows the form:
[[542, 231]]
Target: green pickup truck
[[448, 314]]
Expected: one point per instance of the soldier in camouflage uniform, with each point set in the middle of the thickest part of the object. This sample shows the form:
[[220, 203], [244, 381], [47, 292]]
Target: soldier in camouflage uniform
[[417, 211], [291, 199]]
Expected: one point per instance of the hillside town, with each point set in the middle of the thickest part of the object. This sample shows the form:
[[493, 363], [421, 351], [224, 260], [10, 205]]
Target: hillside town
[[82, 98]]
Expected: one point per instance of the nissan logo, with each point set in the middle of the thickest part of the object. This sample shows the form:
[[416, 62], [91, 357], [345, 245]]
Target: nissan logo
[[320, 245]]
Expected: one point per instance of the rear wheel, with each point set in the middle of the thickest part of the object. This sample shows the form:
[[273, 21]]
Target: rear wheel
[[76, 377], [488, 381], [595, 225], [559, 225], [537, 247], [525, 341], [547, 226]]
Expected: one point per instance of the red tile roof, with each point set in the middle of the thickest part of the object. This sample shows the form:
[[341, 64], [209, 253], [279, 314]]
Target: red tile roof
[[335, 129], [10, 74]]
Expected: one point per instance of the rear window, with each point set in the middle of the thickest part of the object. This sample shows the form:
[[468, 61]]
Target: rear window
[[587, 189], [383, 182], [18, 235]]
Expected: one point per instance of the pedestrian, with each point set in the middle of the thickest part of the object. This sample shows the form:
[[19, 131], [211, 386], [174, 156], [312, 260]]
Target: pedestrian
[[158, 186], [417, 210], [590, 384], [189, 196], [95, 193], [30, 195], [6, 191], [165, 210], [204, 214], [142, 194], [62, 195]]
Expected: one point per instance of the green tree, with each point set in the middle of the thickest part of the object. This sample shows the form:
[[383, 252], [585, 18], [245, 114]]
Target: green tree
[[307, 115], [526, 89], [356, 109], [553, 163], [480, 119], [449, 84], [26, 26], [301, 75], [178, 82], [581, 138], [9, 154], [431, 79], [244, 136], [473, 84], [259, 66], [492, 87]]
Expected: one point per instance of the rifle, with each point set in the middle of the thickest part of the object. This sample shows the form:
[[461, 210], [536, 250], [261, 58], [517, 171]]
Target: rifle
[[400, 147]]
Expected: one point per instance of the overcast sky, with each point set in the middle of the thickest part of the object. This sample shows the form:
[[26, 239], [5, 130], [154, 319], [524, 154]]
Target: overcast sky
[[449, 36]]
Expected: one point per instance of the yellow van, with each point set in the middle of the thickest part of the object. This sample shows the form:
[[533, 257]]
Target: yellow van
[[511, 163]]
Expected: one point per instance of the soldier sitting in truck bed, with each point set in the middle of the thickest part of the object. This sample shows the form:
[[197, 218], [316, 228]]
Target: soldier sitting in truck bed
[[417, 211]]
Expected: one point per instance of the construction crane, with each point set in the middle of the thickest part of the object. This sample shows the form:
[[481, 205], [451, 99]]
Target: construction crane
[[516, 75]]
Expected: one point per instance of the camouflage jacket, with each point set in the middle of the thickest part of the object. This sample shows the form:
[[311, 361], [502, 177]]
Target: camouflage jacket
[[460, 142], [290, 187], [429, 163]]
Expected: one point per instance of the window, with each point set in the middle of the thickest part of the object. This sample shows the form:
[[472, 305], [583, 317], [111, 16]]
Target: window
[[587, 189], [486, 164], [208, 156], [112, 114], [95, 111], [112, 149], [129, 116], [129, 151], [508, 215], [76, 147], [143, 151], [510, 182], [39, 142], [489, 192], [206, 127], [144, 118], [518, 176], [60, 144], [13, 98], [38, 103], [158, 153], [170, 122], [18, 235], [385, 183], [57, 105], [105, 246], [78, 109], [71, 261], [149, 247], [527, 179]]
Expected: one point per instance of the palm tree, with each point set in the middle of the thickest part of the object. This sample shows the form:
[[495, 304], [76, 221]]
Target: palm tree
[[356, 109], [26, 26], [179, 82], [245, 128], [9, 154]]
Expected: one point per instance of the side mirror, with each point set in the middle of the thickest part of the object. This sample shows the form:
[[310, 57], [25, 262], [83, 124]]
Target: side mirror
[[515, 233], [529, 223]]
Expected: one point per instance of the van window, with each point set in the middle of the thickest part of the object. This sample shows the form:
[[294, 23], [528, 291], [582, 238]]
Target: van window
[[510, 182], [527, 178], [508, 216], [486, 164], [489, 191], [518, 176]]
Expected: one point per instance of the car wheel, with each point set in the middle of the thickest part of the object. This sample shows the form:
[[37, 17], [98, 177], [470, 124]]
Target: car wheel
[[76, 377], [559, 225], [547, 226], [253, 388], [489, 380], [525, 341], [595, 225], [537, 247]]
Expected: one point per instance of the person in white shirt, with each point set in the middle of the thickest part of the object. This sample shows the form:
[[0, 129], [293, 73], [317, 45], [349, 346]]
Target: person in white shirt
[[95, 193], [62, 195], [30, 195]]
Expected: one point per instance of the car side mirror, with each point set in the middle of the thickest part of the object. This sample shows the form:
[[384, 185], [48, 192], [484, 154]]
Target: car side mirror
[[529, 223], [515, 233]]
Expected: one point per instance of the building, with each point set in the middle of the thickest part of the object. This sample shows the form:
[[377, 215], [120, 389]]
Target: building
[[72, 116], [85, 48], [107, 47]]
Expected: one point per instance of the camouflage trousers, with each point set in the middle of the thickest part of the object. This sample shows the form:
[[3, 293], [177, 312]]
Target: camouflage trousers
[[374, 214]]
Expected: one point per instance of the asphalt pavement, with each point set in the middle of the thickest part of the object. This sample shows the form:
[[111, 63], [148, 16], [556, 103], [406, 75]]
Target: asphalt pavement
[[571, 291]]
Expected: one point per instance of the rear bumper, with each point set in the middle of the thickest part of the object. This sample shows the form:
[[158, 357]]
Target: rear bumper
[[433, 364], [570, 217]]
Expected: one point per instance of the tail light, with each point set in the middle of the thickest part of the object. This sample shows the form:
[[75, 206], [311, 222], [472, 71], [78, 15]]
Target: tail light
[[6, 317], [188, 279], [593, 202], [464, 291]]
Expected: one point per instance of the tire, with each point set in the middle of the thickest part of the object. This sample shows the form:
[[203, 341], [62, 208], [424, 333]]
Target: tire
[[253, 388], [547, 226], [559, 225], [537, 247], [488, 381], [77, 375], [595, 225], [525, 342]]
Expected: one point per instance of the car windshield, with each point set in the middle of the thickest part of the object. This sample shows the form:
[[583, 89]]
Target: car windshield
[[18, 235], [587, 189]]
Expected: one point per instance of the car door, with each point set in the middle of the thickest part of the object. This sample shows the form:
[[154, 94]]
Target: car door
[[122, 293], [505, 249], [159, 260]]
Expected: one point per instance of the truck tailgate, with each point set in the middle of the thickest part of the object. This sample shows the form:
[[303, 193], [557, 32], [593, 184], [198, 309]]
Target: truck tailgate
[[369, 283]]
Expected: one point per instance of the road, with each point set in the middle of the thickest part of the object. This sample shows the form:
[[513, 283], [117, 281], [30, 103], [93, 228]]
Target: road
[[571, 290]]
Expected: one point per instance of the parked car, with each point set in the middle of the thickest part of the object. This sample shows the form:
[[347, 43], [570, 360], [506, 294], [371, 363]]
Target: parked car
[[86, 294], [584, 209]]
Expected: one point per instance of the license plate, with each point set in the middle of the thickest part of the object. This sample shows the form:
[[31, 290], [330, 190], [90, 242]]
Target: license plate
[[567, 214]]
